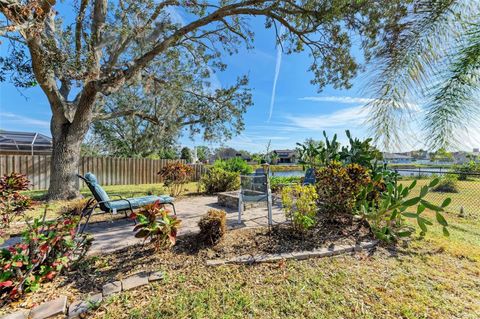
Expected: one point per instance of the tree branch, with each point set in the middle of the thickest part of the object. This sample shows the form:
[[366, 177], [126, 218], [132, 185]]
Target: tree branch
[[78, 29], [98, 23], [112, 83]]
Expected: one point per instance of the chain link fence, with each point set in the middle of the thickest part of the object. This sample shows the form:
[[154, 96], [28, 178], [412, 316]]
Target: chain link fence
[[462, 187]]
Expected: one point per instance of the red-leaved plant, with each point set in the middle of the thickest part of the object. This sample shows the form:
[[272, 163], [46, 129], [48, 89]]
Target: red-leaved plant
[[175, 175], [12, 203], [156, 223], [46, 248]]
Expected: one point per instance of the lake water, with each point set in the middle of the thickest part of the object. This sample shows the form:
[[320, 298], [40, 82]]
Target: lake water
[[288, 173], [402, 172], [422, 172]]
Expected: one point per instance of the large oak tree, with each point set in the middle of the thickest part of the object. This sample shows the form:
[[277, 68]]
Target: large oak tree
[[79, 59]]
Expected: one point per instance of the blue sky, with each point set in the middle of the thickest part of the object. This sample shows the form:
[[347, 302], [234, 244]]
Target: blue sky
[[299, 111]]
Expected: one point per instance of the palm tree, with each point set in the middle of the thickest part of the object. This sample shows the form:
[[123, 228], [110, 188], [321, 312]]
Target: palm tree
[[433, 61]]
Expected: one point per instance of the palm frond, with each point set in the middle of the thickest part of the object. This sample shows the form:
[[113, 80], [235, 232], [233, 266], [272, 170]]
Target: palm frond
[[454, 99], [405, 61]]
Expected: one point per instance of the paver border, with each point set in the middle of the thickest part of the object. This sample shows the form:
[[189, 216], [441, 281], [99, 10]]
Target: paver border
[[298, 255], [146, 278]]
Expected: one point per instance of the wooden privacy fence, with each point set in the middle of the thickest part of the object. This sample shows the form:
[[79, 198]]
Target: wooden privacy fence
[[109, 170]]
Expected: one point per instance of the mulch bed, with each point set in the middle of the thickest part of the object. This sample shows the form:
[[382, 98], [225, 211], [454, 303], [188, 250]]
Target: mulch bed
[[90, 274]]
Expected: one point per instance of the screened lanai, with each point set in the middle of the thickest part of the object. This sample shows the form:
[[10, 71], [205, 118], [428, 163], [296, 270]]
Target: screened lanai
[[24, 143]]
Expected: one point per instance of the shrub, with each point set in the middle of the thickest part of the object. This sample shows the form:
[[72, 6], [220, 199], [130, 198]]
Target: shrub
[[387, 216], [447, 184], [47, 247], [12, 203], [213, 226], [338, 187], [278, 182], [466, 169], [155, 223], [300, 205], [73, 207], [218, 180], [235, 165], [175, 175]]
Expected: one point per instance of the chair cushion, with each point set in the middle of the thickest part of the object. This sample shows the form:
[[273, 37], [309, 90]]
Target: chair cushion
[[309, 177], [100, 194], [138, 202]]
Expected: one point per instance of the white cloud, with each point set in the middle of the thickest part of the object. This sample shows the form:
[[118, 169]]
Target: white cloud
[[353, 100], [16, 119], [337, 99], [348, 117]]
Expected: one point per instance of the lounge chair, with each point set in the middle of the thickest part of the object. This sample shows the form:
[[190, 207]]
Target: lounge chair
[[121, 205], [309, 178]]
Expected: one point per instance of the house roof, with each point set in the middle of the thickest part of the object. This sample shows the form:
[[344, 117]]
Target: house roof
[[395, 156], [24, 141]]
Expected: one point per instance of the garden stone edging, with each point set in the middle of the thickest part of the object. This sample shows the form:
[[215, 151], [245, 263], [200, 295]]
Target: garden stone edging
[[77, 308], [300, 255]]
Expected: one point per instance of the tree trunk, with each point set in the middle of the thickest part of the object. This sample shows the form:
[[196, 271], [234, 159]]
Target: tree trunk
[[67, 141]]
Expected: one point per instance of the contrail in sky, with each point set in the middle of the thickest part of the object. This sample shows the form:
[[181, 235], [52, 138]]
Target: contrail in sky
[[277, 72]]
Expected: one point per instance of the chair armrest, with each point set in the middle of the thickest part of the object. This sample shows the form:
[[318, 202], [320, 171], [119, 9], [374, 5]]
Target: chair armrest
[[118, 195], [116, 200]]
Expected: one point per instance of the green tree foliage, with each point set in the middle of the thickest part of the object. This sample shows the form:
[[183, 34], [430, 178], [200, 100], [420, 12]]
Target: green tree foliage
[[308, 151], [186, 154], [441, 155], [315, 154], [81, 53], [235, 165], [152, 113], [203, 153]]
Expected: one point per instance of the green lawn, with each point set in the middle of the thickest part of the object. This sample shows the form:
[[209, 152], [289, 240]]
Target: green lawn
[[432, 278], [435, 277], [468, 196]]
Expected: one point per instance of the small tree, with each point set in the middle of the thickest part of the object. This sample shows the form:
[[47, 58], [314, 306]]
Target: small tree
[[175, 176], [186, 155], [203, 153]]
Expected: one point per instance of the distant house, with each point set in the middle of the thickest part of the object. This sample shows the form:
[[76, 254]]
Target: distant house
[[228, 153], [461, 157], [396, 158], [286, 156], [465, 157], [24, 143]]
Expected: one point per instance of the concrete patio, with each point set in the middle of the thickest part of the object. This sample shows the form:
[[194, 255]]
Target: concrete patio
[[113, 235]]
